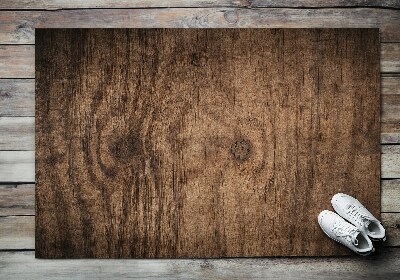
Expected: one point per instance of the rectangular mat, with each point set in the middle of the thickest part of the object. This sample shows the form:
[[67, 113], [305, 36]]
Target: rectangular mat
[[186, 143]]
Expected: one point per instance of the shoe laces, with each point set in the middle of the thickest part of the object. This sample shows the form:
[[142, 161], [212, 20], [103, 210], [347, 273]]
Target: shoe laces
[[363, 219], [347, 231]]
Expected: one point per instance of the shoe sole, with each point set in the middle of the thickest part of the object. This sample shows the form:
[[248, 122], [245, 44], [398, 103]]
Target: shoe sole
[[361, 254], [377, 239]]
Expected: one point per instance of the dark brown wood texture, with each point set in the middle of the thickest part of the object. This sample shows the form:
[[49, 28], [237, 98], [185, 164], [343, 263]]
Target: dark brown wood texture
[[201, 142]]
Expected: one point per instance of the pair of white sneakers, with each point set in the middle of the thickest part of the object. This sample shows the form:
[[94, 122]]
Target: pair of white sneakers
[[354, 227]]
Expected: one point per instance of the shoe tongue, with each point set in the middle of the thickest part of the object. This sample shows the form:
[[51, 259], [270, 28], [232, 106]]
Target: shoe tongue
[[366, 224]]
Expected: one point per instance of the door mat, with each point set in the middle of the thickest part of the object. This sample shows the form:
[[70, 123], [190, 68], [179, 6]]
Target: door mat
[[198, 143]]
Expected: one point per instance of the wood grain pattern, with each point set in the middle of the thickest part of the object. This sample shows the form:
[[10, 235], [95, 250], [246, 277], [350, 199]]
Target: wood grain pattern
[[391, 154], [186, 143], [76, 4], [390, 133], [17, 133], [20, 200], [17, 97], [385, 265], [17, 232], [18, 27], [17, 200], [23, 265], [390, 84], [324, 3], [390, 195], [391, 222], [19, 60], [392, 54], [24, 227], [390, 108], [19, 166]]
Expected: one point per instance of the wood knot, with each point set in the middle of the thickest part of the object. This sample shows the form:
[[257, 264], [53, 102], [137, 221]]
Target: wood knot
[[241, 149], [126, 147], [231, 17]]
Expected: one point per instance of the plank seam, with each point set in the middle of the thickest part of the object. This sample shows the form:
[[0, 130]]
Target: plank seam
[[17, 215], [385, 73], [17, 250], [15, 182]]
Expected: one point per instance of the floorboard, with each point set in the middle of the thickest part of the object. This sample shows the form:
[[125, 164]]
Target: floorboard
[[23, 265], [18, 27]]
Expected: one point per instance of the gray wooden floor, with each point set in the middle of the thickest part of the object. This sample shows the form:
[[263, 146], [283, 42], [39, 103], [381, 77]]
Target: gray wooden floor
[[18, 20]]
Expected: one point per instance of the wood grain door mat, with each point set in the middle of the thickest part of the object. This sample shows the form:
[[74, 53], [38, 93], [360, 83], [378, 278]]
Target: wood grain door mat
[[187, 143]]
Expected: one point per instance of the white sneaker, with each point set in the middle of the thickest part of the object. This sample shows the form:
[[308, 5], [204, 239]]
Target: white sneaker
[[345, 233], [352, 210]]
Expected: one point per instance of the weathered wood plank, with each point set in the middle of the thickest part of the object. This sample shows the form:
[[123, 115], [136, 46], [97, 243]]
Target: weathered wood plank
[[104, 4], [390, 133], [391, 222], [17, 27], [325, 3], [382, 265], [390, 197], [17, 61], [390, 58], [77, 4], [17, 133], [390, 161], [390, 149], [390, 84], [17, 166], [17, 232], [390, 110], [17, 97], [17, 200]]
